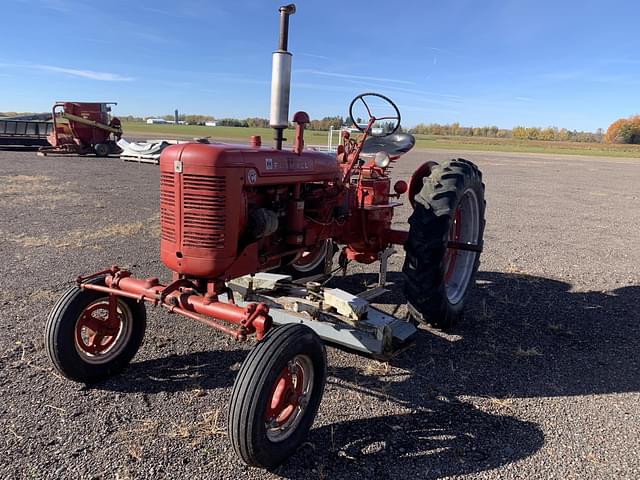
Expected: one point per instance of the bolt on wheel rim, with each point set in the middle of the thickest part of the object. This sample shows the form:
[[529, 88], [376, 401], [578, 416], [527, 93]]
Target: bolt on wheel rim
[[289, 398], [97, 339], [459, 264]]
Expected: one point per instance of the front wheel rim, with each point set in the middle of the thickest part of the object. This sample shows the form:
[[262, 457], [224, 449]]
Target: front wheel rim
[[459, 265], [289, 398], [96, 340]]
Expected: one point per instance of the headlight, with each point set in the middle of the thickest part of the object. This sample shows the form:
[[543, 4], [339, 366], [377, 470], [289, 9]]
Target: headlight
[[382, 159]]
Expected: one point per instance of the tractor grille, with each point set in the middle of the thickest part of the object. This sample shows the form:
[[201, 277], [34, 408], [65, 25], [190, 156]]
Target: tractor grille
[[167, 207], [204, 216]]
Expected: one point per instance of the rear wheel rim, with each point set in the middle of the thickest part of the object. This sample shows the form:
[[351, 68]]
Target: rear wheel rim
[[289, 398], [96, 340], [459, 264]]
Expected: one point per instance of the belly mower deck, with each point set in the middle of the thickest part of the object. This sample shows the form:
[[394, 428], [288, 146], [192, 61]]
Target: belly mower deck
[[338, 317]]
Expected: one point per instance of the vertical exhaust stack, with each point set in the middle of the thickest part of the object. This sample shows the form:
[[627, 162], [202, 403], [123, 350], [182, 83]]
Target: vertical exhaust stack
[[281, 78]]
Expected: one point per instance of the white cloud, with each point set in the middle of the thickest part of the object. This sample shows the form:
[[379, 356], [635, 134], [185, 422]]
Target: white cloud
[[313, 55], [355, 77], [89, 74]]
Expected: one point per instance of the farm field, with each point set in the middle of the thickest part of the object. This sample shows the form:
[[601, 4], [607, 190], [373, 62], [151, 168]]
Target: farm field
[[137, 129], [540, 381]]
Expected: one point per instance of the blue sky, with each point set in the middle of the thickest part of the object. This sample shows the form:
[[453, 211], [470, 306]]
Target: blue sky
[[573, 64]]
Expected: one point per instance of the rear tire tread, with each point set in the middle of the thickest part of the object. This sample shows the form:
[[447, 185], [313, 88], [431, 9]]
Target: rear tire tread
[[425, 248]]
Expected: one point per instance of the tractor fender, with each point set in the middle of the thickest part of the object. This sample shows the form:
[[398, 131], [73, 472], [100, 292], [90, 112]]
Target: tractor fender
[[417, 180]]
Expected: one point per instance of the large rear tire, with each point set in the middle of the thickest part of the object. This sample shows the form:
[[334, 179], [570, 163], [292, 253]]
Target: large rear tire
[[276, 395], [449, 208]]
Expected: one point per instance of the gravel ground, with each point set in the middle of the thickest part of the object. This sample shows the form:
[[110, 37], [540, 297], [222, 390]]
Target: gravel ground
[[541, 380]]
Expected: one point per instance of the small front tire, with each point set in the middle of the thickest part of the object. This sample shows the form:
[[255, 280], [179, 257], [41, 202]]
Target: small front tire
[[276, 395], [80, 341]]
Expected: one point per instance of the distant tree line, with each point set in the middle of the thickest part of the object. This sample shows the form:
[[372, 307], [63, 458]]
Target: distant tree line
[[455, 129], [190, 119], [556, 134], [518, 133], [624, 130], [256, 122]]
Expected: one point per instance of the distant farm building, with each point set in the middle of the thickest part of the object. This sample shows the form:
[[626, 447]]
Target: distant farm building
[[210, 124], [156, 121]]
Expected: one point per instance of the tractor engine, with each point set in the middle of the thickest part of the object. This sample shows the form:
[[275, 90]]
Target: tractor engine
[[228, 210]]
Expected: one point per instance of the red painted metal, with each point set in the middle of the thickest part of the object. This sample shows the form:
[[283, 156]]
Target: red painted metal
[[451, 254], [185, 297], [77, 137], [285, 397], [300, 119], [400, 187], [417, 180], [232, 210], [96, 333]]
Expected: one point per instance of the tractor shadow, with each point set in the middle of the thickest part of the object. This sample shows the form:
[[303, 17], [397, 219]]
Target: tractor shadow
[[176, 373], [523, 337], [442, 438]]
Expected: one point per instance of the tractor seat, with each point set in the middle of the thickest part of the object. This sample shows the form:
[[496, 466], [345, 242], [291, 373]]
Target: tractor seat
[[395, 145]]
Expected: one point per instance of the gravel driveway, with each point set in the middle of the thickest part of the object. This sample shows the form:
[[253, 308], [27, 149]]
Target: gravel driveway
[[541, 380]]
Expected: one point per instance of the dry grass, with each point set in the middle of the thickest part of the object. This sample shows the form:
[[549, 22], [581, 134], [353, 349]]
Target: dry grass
[[376, 368], [502, 404], [133, 438], [527, 352], [153, 225], [193, 394], [123, 473], [37, 191], [142, 428], [560, 329], [592, 457], [24, 353], [514, 269], [7, 297], [485, 312], [46, 296], [84, 238], [207, 426]]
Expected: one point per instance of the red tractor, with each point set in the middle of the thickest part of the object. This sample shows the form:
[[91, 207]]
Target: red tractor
[[250, 232]]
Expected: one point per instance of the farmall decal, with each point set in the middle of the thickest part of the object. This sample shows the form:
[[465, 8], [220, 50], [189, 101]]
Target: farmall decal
[[288, 164], [298, 163]]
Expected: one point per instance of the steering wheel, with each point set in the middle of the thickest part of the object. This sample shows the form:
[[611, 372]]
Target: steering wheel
[[362, 99]]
